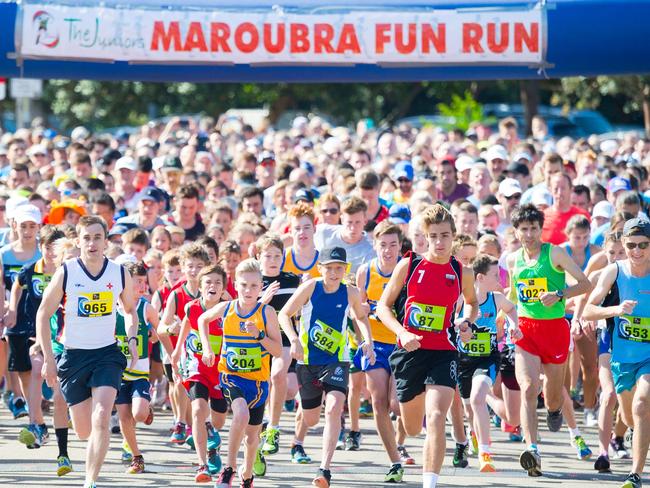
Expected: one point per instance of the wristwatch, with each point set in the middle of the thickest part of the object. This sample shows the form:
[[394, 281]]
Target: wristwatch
[[559, 294], [261, 336]]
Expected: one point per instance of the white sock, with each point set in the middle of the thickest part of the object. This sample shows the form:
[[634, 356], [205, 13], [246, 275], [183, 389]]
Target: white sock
[[483, 448], [429, 480], [574, 432]]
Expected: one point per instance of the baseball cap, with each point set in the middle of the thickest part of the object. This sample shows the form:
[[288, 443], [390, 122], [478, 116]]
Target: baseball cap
[[603, 209], [266, 157], [118, 230], [172, 163], [464, 162], [618, 183], [333, 255], [28, 213], [496, 152], [303, 195], [37, 149], [541, 196], [637, 227], [518, 168], [151, 193], [79, 132], [399, 214], [126, 162], [403, 169], [509, 187], [522, 155]]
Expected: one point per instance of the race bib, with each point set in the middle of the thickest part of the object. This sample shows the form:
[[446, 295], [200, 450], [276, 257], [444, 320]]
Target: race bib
[[40, 282], [325, 338], [530, 289], [479, 345], [244, 360], [429, 318], [95, 304], [635, 329], [193, 343], [124, 346]]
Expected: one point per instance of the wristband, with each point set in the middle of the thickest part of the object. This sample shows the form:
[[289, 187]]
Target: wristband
[[261, 336], [134, 338]]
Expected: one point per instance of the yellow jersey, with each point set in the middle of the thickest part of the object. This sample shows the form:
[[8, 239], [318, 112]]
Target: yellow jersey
[[289, 265], [241, 354], [375, 284]]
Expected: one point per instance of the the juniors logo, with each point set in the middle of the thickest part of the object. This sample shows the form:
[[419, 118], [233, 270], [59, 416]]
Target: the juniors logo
[[45, 36]]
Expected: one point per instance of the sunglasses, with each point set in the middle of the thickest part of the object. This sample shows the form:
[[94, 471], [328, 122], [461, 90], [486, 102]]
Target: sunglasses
[[516, 196], [403, 180], [332, 211], [640, 245]]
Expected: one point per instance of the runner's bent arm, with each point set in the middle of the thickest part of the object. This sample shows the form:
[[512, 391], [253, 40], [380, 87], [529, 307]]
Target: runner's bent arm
[[389, 296], [128, 301], [509, 308], [52, 297], [272, 341], [361, 319], [166, 320], [203, 324], [470, 310], [293, 306], [14, 299], [182, 335], [151, 317], [593, 309], [560, 257]]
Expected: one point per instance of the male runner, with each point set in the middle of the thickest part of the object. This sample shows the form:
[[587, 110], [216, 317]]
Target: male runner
[[630, 279], [538, 283], [91, 366], [302, 257], [322, 348], [424, 290]]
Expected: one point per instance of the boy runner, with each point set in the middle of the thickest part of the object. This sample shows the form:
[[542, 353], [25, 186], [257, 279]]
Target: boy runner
[[630, 280], [322, 348], [425, 364], [200, 381], [133, 400], [91, 366], [302, 257], [251, 337], [538, 282]]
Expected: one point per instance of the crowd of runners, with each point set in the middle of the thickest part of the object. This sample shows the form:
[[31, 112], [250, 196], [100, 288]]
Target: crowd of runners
[[424, 277]]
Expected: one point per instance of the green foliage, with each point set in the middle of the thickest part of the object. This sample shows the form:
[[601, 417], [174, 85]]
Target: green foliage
[[462, 110]]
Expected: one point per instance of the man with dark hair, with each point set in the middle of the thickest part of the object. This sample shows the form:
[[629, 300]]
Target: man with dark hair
[[186, 215], [104, 206], [558, 215], [581, 197], [448, 188], [251, 200], [538, 283], [368, 185]]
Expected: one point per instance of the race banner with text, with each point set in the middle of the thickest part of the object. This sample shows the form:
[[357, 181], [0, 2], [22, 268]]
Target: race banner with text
[[417, 37]]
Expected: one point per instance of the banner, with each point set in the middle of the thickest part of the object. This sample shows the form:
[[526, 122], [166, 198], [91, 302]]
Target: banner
[[418, 37]]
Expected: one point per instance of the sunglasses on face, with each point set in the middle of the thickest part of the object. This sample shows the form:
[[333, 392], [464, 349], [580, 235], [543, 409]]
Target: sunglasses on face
[[640, 245], [332, 211], [516, 196], [403, 180]]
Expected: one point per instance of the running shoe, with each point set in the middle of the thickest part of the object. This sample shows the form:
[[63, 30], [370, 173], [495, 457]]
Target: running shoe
[[114, 423], [225, 478], [628, 436], [149, 419], [127, 455], [290, 405], [365, 409], [353, 441], [137, 466], [486, 465], [259, 465], [460, 456], [473, 445], [179, 434], [44, 435], [90, 484], [244, 483], [203, 475], [618, 449], [63, 465], [583, 450], [298, 455], [531, 461], [214, 439], [404, 456], [590, 417], [19, 409], [395, 474], [633, 480], [340, 444], [515, 435], [554, 420], [602, 464], [29, 436], [214, 461], [322, 479], [496, 421], [271, 442], [189, 441], [8, 398]]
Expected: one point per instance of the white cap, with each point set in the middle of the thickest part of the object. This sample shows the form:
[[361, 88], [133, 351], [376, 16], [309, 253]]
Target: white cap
[[13, 203], [603, 209], [609, 146], [37, 149], [126, 162], [79, 132], [509, 187], [125, 259], [299, 122], [522, 155], [28, 213], [157, 162], [541, 196], [496, 152], [464, 162]]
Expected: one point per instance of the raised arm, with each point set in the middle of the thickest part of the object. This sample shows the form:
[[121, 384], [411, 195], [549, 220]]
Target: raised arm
[[52, 297]]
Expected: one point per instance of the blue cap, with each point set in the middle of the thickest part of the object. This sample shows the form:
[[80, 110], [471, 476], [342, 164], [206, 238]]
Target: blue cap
[[403, 169], [119, 229], [399, 214], [618, 184]]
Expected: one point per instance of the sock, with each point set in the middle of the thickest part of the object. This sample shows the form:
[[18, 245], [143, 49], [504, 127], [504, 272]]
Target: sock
[[483, 448], [429, 480], [276, 427], [297, 442], [62, 441], [574, 432], [533, 447]]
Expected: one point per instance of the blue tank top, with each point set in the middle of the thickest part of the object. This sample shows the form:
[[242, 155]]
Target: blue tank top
[[323, 323], [631, 337], [583, 266], [485, 331], [12, 265]]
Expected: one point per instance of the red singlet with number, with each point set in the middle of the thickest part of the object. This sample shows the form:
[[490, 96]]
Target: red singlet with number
[[427, 301]]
